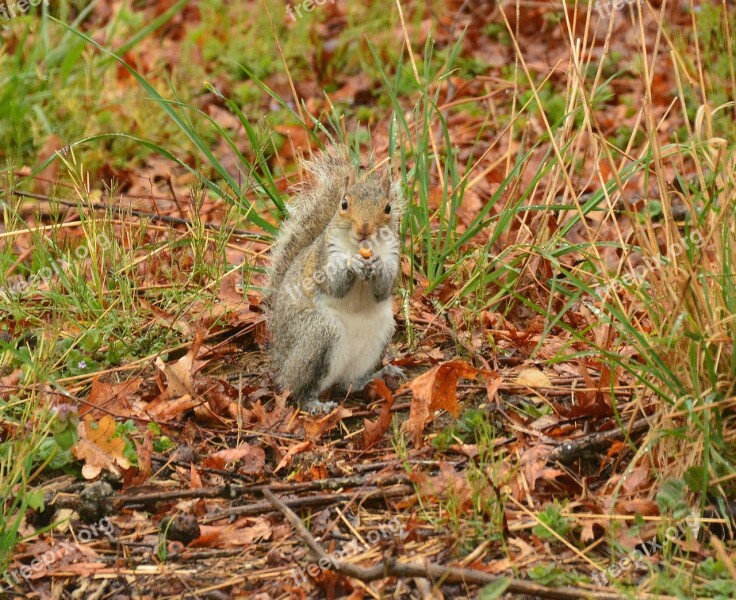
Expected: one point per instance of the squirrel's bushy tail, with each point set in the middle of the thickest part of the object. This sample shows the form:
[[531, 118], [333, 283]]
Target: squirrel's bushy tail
[[311, 210]]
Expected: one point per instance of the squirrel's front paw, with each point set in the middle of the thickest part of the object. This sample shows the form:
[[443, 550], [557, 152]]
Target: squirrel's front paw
[[359, 265], [374, 265]]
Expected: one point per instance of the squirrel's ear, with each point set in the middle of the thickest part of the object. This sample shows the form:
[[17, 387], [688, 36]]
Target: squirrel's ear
[[348, 181]]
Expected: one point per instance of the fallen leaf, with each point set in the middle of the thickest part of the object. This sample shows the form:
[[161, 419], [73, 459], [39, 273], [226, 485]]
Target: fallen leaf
[[144, 452], [533, 378], [374, 430], [593, 529], [493, 383], [448, 481], [252, 459], [9, 382], [44, 182], [195, 479], [232, 302], [180, 394], [166, 409], [99, 447], [110, 398], [434, 390], [534, 463], [636, 480], [639, 506], [83, 570], [219, 397], [314, 429], [178, 375], [469, 450], [292, 452], [243, 532], [166, 320], [276, 419]]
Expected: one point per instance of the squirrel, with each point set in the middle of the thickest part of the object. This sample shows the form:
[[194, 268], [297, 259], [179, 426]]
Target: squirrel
[[333, 268]]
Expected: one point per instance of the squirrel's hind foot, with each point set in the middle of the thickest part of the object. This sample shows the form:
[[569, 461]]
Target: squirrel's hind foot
[[316, 407], [389, 373]]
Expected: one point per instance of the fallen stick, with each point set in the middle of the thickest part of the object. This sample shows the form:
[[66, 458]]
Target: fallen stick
[[427, 569], [121, 210], [235, 491], [571, 450], [258, 508]]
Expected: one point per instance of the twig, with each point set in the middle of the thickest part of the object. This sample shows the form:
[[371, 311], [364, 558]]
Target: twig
[[234, 491], [427, 569], [141, 215], [573, 449], [220, 491], [258, 508]]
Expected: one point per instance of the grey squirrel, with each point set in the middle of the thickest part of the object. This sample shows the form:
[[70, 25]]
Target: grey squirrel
[[333, 269]]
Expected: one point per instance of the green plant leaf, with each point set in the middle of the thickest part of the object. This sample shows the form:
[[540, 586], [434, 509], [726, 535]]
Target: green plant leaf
[[35, 499], [495, 589]]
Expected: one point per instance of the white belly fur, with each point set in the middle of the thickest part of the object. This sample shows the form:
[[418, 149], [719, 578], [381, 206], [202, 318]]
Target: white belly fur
[[365, 327]]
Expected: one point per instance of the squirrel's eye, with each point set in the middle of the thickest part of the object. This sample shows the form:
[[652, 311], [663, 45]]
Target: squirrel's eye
[[387, 210], [344, 204]]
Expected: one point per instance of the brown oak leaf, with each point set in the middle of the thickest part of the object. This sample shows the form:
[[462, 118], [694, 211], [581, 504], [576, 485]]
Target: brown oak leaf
[[243, 532], [110, 397], [99, 447], [252, 459], [434, 390], [292, 452], [373, 431]]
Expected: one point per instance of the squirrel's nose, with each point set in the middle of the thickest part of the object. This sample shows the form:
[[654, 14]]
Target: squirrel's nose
[[365, 229]]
